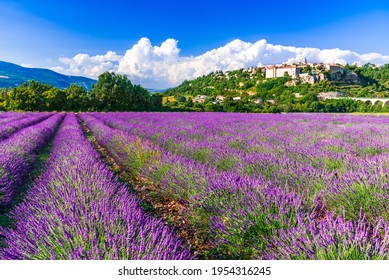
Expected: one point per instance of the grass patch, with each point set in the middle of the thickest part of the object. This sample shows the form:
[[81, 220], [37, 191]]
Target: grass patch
[[360, 196], [333, 165], [201, 155]]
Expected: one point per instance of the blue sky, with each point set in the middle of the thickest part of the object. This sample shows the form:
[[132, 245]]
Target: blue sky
[[39, 33]]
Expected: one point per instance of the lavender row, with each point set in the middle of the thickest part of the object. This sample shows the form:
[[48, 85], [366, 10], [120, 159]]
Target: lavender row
[[244, 217], [78, 210], [4, 115], [8, 128], [18, 154], [14, 117]]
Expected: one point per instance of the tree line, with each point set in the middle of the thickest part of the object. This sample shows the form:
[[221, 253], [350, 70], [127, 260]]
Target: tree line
[[112, 92], [308, 103]]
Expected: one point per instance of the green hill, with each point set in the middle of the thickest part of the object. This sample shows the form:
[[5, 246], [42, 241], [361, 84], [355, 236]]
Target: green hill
[[219, 83], [247, 90], [373, 81], [12, 75]]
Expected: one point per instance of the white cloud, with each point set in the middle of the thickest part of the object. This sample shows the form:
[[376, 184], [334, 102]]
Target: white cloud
[[162, 66], [90, 66]]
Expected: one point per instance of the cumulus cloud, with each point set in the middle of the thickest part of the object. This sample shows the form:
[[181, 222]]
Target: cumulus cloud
[[90, 66], [163, 66]]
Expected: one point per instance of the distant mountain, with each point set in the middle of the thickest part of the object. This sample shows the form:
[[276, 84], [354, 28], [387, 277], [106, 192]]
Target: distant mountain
[[12, 75], [153, 90]]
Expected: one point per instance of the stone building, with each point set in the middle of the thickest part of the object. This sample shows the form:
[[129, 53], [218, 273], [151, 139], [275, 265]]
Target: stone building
[[281, 71]]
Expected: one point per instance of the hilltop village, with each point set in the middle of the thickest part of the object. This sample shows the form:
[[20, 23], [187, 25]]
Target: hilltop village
[[309, 73], [285, 87]]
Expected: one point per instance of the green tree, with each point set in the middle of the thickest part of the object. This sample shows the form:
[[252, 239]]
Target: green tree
[[28, 97], [55, 99], [181, 99], [189, 102], [78, 99], [115, 92]]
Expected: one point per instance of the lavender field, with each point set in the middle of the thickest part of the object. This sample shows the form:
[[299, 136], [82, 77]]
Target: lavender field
[[194, 186]]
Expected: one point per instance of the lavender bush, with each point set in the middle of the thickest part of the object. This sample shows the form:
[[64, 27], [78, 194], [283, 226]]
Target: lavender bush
[[9, 127], [17, 155]]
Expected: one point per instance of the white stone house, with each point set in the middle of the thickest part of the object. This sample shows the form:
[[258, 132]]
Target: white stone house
[[330, 94], [220, 98], [200, 98]]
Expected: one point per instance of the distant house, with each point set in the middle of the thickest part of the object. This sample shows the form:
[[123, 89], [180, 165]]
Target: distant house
[[333, 68], [200, 98], [220, 98], [330, 94], [297, 95], [238, 98], [271, 101]]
